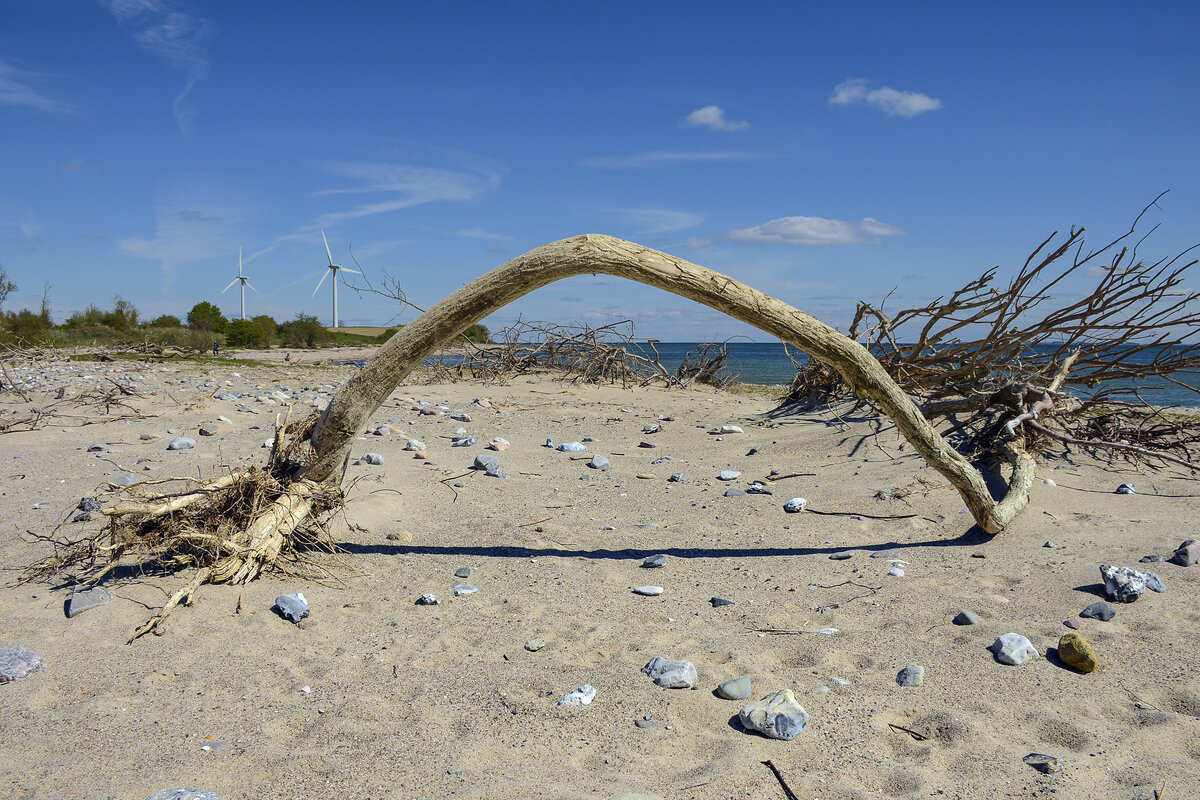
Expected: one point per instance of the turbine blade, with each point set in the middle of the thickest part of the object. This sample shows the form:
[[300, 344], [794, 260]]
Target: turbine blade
[[251, 287], [327, 248], [231, 283], [323, 277], [347, 269], [239, 262]]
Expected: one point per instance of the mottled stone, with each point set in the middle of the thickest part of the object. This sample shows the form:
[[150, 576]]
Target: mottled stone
[[427, 600], [1043, 763], [966, 618], [1014, 649], [374, 459], [796, 504], [777, 716], [533, 645], [415, 444], [677, 477], [841, 555], [17, 663], [572, 447], [208, 429], [499, 444], [183, 793], [1076, 653], [911, 676], [461, 589], [1126, 488], [671, 673], [582, 696], [485, 462], [599, 462], [1125, 584]]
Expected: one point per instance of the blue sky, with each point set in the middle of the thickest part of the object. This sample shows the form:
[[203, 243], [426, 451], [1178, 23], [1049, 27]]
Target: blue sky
[[821, 152]]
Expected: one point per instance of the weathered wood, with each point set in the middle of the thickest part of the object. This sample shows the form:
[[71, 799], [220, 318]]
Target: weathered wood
[[596, 254]]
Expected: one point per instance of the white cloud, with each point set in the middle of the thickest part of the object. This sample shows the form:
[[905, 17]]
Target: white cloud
[[663, 158], [816, 231], [187, 230], [175, 36], [713, 117], [480, 233], [17, 89], [697, 243], [893, 102], [414, 186], [654, 220]]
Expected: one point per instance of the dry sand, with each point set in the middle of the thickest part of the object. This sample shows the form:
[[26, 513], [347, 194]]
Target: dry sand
[[406, 701]]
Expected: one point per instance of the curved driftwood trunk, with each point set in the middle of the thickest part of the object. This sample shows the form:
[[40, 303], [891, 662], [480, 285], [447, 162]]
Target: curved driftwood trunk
[[595, 254]]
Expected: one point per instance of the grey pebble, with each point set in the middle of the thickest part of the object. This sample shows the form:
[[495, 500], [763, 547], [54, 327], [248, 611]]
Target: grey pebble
[[462, 572], [1152, 559], [533, 645], [85, 599], [717, 602], [181, 443], [427, 600], [17, 663], [677, 477], [654, 561], [1043, 763], [648, 591], [647, 444], [671, 673], [1099, 610], [911, 676], [728, 475], [841, 555], [1125, 488], [650, 724], [461, 589], [466, 441], [486, 462], [734, 493], [292, 606], [208, 429], [1014, 649], [374, 459], [599, 462], [736, 689], [966, 618], [183, 793]]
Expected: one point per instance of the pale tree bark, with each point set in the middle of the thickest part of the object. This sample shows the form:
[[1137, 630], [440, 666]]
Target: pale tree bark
[[595, 254]]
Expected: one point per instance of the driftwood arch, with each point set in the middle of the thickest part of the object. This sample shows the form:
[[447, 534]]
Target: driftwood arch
[[597, 254], [265, 529]]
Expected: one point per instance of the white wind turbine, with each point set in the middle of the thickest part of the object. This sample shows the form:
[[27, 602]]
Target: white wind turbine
[[333, 268], [240, 279]]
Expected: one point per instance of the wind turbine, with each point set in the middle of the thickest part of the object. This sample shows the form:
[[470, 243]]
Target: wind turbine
[[333, 268], [243, 280]]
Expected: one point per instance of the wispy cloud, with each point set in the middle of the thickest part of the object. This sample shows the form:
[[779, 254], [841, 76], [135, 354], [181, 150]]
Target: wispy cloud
[[412, 186], [816, 231], [164, 29], [77, 166], [654, 220], [480, 233], [893, 102], [713, 117], [187, 230], [19, 88], [663, 158]]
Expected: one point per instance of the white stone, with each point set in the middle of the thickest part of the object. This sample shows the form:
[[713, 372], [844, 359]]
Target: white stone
[[1014, 649], [777, 716]]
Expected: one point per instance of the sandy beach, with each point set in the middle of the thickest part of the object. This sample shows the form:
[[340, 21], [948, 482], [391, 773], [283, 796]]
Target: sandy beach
[[375, 696]]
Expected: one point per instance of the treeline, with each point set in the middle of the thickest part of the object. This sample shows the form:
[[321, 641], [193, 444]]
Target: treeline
[[202, 327]]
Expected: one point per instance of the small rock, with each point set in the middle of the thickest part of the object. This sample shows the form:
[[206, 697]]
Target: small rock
[[717, 602], [645, 724], [183, 793], [462, 572], [533, 645], [653, 427], [735, 493], [485, 462], [911, 676], [428, 600], [571, 447], [599, 462], [1073, 624], [17, 663], [85, 599], [1050, 545], [795, 505], [1076, 653], [208, 429], [292, 606], [1014, 649], [96, 448], [966, 618], [415, 444], [677, 477], [648, 591], [654, 561], [1125, 488], [1151, 559], [777, 716], [181, 443], [731, 429], [383, 430], [754, 450], [399, 536], [841, 555], [647, 444], [582, 696], [896, 572], [466, 441], [729, 475], [88, 504], [1099, 610], [373, 458], [1187, 553], [461, 416], [671, 673], [736, 689], [461, 589], [126, 480], [1043, 763], [498, 444], [1125, 584]]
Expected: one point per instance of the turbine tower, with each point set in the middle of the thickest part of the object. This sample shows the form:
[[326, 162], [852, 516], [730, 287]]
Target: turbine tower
[[333, 268], [240, 279]]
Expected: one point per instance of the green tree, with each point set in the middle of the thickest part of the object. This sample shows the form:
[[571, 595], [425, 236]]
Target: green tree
[[123, 315], [204, 316], [244, 333], [478, 333], [166, 321], [269, 326], [304, 331]]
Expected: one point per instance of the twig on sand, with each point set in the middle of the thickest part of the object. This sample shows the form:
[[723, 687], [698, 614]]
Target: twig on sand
[[787, 790], [184, 595], [920, 737]]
